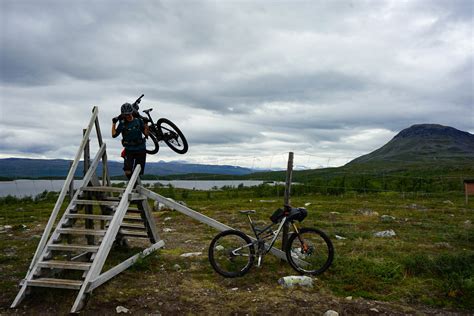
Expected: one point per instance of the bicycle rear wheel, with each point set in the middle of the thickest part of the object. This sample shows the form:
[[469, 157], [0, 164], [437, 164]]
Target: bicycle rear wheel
[[173, 136], [310, 251], [231, 253]]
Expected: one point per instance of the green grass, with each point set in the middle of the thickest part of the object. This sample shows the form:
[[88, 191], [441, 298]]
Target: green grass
[[429, 263]]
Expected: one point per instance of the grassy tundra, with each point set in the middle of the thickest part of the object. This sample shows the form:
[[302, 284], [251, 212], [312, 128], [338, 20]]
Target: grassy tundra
[[428, 267]]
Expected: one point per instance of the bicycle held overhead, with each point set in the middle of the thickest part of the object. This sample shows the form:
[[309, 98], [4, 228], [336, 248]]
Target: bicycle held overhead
[[308, 250], [163, 130]]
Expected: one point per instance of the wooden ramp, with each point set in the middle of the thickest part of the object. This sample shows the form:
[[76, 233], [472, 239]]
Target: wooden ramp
[[72, 256]]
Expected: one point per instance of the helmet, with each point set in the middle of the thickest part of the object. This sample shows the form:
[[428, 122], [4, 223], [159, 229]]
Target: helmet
[[126, 108]]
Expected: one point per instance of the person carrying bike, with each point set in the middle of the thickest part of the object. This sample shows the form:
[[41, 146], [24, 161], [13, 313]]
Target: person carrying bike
[[132, 130]]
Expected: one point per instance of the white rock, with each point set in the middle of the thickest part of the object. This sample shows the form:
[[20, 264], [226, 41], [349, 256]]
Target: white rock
[[387, 218], [349, 298], [340, 237], [307, 204], [120, 309], [167, 219], [448, 202], [234, 289], [385, 233], [191, 254], [157, 206], [374, 310], [219, 248], [334, 213], [331, 313], [467, 223], [267, 201], [8, 227], [177, 267], [293, 280], [168, 230]]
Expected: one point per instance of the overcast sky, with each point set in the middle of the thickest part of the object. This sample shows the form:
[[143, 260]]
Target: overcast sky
[[247, 81]]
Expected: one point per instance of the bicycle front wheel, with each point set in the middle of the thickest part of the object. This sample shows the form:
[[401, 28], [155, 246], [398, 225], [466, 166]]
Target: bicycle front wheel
[[152, 145], [231, 253], [310, 251], [173, 136]]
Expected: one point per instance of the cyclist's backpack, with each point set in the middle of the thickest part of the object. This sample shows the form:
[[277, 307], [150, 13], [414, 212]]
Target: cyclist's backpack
[[277, 216]]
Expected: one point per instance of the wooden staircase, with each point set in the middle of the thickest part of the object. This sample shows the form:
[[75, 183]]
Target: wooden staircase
[[72, 256]]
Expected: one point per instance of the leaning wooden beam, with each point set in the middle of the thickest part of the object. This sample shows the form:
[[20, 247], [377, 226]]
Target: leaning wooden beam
[[197, 216], [104, 277]]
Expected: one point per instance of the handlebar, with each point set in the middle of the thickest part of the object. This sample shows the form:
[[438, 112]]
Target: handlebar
[[137, 101]]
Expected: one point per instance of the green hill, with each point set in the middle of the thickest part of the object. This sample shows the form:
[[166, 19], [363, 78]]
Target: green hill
[[421, 158]]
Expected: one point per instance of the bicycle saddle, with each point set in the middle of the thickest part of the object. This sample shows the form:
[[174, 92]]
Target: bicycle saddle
[[147, 111], [246, 212]]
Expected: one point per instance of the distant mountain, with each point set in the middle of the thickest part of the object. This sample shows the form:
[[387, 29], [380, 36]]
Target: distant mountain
[[40, 168], [423, 143]]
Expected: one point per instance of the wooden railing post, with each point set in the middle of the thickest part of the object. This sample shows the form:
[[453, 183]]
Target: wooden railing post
[[287, 198]]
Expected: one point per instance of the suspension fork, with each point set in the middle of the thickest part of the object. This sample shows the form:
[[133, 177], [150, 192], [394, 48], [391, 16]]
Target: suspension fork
[[303, 243]]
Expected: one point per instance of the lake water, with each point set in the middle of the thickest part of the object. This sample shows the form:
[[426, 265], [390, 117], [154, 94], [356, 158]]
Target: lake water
[[21, 188]]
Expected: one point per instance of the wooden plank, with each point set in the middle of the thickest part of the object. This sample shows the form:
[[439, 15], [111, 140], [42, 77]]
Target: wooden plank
[[133, 234], [90, 216], [96, 202], [73, 247], [80, 231], [103, 189], [70, 265], [104, 277], [133, 226], [56, 283], [134, 210], [150, 222], [133, 218]]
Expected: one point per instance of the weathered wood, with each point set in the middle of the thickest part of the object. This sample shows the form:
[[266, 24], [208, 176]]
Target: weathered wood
[[96, 202], [104, 277], [69, 265], [55, 283], [103, 189], [90, 216], [134, 233], [108, 240], [78, 231], [287, 198], [150, 222], [44, 238], [73, 247]]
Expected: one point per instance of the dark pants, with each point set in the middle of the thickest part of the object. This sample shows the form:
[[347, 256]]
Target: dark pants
[[132, 159]]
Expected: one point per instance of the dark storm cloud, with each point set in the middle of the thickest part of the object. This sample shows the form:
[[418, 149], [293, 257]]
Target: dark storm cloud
[[337, 77]]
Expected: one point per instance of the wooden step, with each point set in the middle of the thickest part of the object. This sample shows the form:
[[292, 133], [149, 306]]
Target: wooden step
[[131, 226], [56, 283], [91, 216], [103, 189], [73, 247], [133, 234], [81, 231], [96, 202], [133, 218], [70, 265], [134, 210]]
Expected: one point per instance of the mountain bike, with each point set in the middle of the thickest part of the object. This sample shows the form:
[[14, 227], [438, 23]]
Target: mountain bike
[[308, 250], [163, 130]]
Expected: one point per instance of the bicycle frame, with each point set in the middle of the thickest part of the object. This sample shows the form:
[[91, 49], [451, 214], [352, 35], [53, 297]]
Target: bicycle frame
[[267, 232]]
